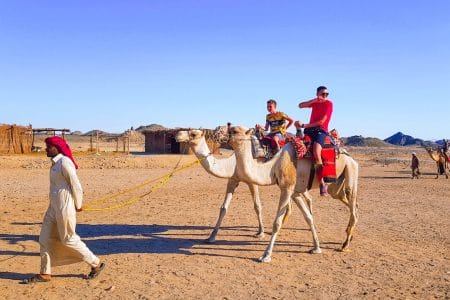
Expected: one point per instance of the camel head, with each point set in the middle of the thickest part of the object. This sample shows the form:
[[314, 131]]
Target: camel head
[[193, 136], [239, 134]]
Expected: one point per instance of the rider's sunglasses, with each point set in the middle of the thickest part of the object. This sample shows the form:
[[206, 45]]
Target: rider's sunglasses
[[324, 94]]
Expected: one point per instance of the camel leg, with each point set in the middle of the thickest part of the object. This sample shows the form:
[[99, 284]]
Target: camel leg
[[288, 213], [353, 206], [258, 208], [298, 198], [351, 225], [285, 199], [231, 187], [308, 198]]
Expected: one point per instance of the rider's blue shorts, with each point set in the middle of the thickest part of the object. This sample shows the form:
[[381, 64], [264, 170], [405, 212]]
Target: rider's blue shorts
[[278, 134], [316, 134]]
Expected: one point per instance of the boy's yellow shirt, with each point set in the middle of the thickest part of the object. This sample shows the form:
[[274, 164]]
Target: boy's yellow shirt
[[277, 122]]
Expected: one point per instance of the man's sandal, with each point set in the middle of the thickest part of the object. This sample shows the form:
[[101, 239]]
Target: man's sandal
[[95, 271], [35, 279]]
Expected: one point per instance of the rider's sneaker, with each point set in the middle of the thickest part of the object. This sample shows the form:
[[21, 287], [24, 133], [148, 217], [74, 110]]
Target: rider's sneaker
[[323, 190]]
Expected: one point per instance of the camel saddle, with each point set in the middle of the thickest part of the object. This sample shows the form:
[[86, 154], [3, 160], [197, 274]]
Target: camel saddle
[[303, 149]]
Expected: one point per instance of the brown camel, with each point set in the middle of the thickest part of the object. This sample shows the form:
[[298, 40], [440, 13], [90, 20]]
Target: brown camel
[[439, 158]]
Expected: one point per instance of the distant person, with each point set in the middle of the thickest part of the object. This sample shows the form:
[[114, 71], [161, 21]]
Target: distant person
[[415, 166], [317, 128], [445, 149], [278, 122], [59, 243]]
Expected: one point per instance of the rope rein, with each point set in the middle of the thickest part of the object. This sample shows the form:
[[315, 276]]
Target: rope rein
[[163, 180]]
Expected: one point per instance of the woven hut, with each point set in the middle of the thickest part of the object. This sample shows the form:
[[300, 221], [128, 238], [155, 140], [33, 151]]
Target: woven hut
[[15, 139], [163, 141]]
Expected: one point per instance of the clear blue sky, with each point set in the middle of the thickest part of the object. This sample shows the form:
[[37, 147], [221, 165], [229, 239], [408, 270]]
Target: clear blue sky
[[113, 64]]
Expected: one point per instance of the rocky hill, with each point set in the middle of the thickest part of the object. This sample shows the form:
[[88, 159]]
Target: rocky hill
[[151, 127], [100, 133], [358, 140], [401, 139]]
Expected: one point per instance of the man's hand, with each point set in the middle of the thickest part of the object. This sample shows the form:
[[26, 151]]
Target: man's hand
[[298, 124], [259, 126], [79, 209]]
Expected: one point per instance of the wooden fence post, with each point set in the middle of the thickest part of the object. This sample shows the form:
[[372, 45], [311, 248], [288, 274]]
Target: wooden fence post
[[97, 143]]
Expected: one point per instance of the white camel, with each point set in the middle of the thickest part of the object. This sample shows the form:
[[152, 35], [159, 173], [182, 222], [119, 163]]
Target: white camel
[[292, 177], [222, 168]]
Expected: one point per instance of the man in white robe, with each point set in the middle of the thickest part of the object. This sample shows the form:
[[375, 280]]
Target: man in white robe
[[59, 243]]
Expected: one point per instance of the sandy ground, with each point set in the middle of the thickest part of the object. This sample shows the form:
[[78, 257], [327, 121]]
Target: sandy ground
[[154, 248]]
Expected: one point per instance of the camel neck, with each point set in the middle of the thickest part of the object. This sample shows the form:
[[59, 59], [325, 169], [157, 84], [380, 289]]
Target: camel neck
[[223, 168], [251, 170]]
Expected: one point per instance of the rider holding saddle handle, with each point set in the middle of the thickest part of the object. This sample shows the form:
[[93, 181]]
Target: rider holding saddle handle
[[276, 120], [317, 128]]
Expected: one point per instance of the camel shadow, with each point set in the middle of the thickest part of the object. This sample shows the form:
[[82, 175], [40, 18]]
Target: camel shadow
[[385, 177], [107, 239], [407, 175]]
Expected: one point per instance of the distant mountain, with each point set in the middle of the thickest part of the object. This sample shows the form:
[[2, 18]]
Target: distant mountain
[[77, 132], [441, 142], [94, 132], [358, 140], [151, 127], [401, 139]]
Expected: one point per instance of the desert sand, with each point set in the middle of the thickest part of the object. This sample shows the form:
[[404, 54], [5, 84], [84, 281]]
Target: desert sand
[[154, 248]]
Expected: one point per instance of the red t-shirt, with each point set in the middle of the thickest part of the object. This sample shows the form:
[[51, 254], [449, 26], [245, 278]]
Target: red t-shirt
[[320, 109]]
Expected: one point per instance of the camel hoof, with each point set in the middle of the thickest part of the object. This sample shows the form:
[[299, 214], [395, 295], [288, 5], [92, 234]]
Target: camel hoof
[[315, 251], [260, 235], [345, 250], [265, 258], [210, 240]]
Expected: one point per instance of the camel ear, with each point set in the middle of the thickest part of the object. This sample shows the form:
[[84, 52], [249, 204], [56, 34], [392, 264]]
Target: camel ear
[[251, 131]]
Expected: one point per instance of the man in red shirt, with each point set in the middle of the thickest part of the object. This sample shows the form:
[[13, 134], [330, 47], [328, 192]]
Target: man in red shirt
[[317, 128]]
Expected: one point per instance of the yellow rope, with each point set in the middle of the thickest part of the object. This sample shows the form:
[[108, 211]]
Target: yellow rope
[[164, 180]]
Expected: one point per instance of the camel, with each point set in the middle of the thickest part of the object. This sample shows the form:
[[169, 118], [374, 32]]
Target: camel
[[222, 168], [439, 158], [292, 176]]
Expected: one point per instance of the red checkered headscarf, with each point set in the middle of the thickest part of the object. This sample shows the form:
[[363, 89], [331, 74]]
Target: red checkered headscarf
[[62, 146]]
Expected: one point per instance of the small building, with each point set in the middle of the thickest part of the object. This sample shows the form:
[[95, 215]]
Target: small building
[[15, 139], [163, 141]]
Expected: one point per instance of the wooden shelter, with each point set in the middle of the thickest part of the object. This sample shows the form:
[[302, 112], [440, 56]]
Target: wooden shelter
[[47, 131], [163, 141], [122, 139], [15, 139]]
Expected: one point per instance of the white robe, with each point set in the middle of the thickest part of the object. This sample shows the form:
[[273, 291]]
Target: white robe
[[59, 243]]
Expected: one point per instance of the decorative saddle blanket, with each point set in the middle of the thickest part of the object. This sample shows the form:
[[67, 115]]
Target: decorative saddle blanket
[[303, 149]]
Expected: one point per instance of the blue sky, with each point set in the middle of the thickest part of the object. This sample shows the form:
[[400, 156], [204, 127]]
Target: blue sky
[[112, 64]]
